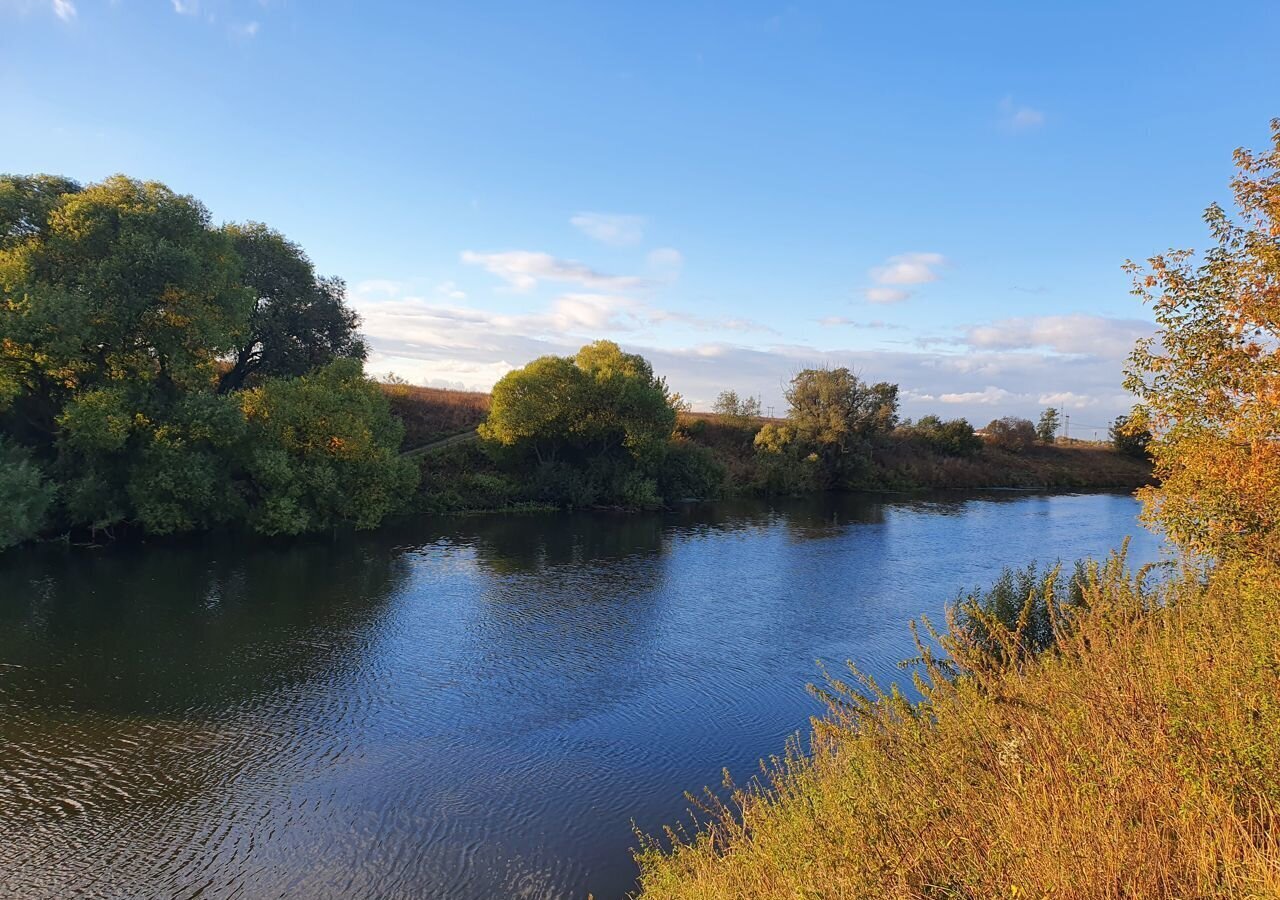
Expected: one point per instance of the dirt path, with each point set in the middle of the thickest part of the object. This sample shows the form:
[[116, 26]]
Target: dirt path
[[432, 447]]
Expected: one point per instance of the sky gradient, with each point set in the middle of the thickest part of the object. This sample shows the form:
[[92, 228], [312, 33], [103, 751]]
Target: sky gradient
[[936, 194]]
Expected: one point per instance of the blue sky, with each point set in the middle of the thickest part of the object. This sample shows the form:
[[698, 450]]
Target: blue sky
[[938, 194]]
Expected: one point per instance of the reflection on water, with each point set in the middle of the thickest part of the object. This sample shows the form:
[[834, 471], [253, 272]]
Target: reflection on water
[[468, 708]]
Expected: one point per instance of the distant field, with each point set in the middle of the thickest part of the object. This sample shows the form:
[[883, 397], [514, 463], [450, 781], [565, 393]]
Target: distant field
[[432, 414]]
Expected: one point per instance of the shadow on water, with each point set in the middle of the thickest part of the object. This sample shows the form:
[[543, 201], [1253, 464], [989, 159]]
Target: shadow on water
[[463, 708]]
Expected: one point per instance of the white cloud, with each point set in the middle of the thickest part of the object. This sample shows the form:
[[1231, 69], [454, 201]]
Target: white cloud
[[1019, 118], [614, 229], [64, 10], [886, 295], [1078, 333], [186, 7], [854, 323], [903, 269], [909, 268], [523, 269], [247, 30], [666, 260], [1067, 398], [988, 396]]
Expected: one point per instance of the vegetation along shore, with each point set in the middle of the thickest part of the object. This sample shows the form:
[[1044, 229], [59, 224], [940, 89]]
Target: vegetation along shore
[[1111, 734], [160, 374]]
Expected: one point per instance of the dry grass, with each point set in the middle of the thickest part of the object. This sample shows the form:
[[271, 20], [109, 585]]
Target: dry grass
[[431, 414], [1141, 759], [1055, 466]]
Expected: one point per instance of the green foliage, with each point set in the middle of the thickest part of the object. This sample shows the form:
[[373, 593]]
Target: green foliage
[[1011, 433], [299, 322], [833, 408], [772, 438], [323, 451], [953, 437], [598, 425], [1131, 437], [738, 410], [1024, 604], [25, 496], [119, 305], [690, 472], [1047, 427]]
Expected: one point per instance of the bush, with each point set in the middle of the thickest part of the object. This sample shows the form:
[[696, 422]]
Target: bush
[[1012, 433], [25, 496], [953, 437], [690, 472], [324, 451], [1019, 614]]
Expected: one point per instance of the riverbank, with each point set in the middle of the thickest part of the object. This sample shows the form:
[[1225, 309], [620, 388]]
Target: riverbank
[[1138, 760], [461, 474]]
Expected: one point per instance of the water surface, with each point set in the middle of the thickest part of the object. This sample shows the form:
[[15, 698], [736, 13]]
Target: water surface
[[463, 708]]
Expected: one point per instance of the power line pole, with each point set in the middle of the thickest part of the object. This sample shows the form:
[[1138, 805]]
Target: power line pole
[[1066, 437]]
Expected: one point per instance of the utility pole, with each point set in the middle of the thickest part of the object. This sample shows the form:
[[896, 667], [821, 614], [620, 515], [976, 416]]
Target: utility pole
[[770, 408], [1066, 438]]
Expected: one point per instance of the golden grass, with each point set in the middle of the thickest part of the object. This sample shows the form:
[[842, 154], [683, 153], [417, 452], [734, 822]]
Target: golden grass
[[1141, 759], [431, 414]]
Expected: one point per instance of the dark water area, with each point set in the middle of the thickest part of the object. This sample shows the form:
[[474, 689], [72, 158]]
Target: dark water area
[[463, 708]]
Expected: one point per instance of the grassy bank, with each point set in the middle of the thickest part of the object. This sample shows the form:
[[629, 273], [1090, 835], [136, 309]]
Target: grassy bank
[[1139, 758]]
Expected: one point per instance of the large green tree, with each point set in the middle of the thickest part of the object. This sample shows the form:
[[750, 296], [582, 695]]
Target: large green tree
[[833, 408], [298, 322], [125, 282], [126, 321], [323, 450], [597, 401]]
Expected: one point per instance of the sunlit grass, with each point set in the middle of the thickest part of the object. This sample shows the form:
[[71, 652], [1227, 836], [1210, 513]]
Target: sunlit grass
[[1140, 758]]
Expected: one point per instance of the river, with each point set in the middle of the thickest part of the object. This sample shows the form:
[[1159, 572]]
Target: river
[[459, 708]]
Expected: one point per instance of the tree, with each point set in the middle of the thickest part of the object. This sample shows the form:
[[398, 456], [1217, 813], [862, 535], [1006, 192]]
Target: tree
[[537, 406], [737, 410], [298, 322], [125, 281], [25, 204], [953, 437], [1047, 427], [1208, 382], [595, 402], [323, 451], [1011, 433], [1130, 437], [832, 408]]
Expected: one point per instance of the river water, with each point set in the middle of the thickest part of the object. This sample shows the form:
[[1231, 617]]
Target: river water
[[460, 708]]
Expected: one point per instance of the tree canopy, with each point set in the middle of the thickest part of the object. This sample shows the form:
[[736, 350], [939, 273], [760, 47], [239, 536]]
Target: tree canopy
[[127, 322], [1208, 382], [596, 401], [833, 407]]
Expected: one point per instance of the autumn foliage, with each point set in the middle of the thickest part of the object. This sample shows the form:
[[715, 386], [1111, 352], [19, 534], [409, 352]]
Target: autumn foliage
[[1209, 381]]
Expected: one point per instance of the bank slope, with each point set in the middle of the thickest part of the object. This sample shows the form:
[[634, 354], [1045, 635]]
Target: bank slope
[[1139, 759]]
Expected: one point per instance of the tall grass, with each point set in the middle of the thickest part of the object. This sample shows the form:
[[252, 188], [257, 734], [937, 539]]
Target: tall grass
[[1138, 756]]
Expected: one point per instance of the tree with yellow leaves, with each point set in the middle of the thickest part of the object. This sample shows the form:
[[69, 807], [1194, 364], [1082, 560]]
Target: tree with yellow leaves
[[1208, 382]]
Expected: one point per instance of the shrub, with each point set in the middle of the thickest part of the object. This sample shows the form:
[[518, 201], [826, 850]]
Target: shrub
[[324, 451], [953, 437], [690, 472], [25, 496]]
